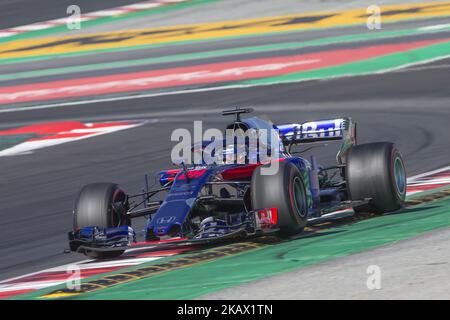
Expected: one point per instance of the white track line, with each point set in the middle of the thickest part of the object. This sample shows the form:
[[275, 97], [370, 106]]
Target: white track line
[[43, 271], [34, 285], [210, 89], [87, 16], [435, 27], [143, 6], [429, 183], [27, 147], [429, 173]]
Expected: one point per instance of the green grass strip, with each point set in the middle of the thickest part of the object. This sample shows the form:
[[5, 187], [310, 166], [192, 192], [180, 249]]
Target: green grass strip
[[379, 64]]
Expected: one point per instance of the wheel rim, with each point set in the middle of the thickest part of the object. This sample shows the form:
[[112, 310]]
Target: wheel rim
[[116, 218], [400, 176], [298, 192]]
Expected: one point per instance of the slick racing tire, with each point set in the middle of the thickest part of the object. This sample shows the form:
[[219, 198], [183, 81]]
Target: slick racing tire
[[94, 208], [285, 190], [376, 171]]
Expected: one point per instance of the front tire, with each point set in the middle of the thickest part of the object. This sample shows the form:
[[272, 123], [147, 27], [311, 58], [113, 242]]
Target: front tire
[[376, 171], [94, 208], [285, 191]]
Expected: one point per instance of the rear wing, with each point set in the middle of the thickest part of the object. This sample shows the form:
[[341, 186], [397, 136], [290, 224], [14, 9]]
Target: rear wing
[[320, 131]]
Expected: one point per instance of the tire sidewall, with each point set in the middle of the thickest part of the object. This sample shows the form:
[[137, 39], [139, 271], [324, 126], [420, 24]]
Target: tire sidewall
[[94, 203], [399, 194], [278, 191], [370, 173], [294, 179]]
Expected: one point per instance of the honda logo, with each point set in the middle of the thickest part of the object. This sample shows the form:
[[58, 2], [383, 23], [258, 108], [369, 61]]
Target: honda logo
[[165, 220]]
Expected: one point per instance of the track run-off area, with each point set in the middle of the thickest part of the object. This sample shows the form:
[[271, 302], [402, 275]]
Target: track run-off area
[[187, 273], [76, 109]]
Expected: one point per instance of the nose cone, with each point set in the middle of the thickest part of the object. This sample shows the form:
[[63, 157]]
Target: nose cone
[[172, 229], [163, 224], [161, 231]]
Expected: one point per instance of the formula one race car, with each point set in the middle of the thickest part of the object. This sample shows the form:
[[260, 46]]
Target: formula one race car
[[230, 200]]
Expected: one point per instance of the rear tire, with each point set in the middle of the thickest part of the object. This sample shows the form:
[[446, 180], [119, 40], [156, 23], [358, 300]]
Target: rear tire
[[285, 191], [94, 208], [376, 171]]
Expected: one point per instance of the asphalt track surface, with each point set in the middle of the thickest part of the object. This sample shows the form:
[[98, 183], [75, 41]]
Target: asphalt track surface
[[408, 107], [20, 12]]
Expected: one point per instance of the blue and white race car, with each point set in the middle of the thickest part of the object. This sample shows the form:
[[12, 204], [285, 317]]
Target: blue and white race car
[[241, 198]]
